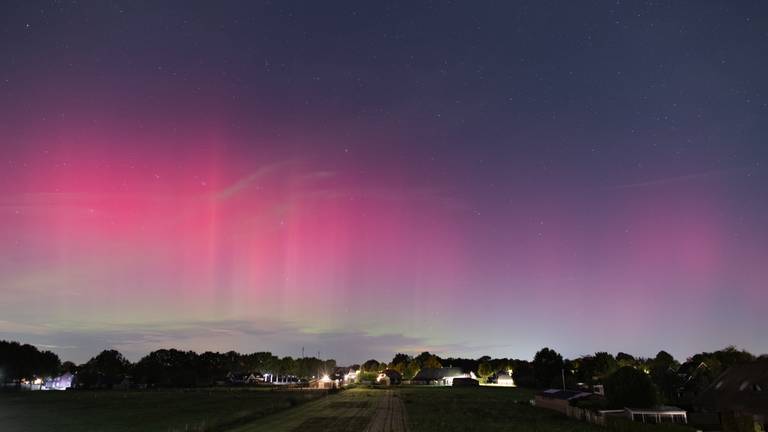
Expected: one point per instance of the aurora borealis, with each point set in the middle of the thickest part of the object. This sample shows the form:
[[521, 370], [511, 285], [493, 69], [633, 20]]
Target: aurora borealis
[[358, 179]]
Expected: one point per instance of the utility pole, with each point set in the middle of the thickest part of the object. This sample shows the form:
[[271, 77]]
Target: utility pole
[[562, 371]]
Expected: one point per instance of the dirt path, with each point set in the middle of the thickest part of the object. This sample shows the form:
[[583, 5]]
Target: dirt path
[[389, 415], [349, 411], [356, 410]]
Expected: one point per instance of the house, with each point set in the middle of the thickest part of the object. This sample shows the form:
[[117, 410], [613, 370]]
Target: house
[[31, 384], [693, 378], [346, 375], [244, 377], [61, 382], [690, 368], [325, 382], [739, 396], [440, 376], [276, 379], [389, 377], [559, 400], [504, 378]]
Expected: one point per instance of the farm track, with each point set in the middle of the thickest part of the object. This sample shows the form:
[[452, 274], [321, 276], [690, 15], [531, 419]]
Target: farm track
[[353, 410], [389, 415]]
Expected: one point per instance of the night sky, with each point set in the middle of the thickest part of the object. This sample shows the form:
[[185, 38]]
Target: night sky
[[361, 178]]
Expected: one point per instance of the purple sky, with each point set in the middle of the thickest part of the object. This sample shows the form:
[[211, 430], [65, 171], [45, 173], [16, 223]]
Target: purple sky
[[360, 180]]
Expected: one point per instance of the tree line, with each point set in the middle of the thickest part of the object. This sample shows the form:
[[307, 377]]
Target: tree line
[[658, 378], [627, 380], [160, 368], [24, 361]]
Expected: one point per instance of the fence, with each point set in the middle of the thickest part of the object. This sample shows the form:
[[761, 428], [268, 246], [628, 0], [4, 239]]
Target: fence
[[592, 416], [616, 421]]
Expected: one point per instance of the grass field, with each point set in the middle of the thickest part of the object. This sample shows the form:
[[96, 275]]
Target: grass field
[[350, 410], [428, 409], [209, 410], [399, 409], [482, 408]]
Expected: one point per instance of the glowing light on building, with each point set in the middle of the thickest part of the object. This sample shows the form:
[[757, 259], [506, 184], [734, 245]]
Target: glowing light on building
[[61, 382], [351, 376]]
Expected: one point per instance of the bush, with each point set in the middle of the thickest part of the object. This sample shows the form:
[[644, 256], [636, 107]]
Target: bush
[[369, 377]]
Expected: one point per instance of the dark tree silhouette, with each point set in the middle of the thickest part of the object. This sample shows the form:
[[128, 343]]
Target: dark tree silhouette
[[19, 361], [630, 388], [168, 368], [664, 358], [547, 368], [400, 360], [605, 364], [371, 366], [625, 359], [104, 371]]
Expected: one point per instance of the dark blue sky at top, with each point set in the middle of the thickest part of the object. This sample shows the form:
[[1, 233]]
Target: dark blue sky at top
[[629, 90], [494, 99]]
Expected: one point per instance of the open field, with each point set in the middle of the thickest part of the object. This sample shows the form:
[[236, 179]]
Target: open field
[[482, 408], [417, 409], [358, 409], [488, 408], [209, 410], [399, 409]]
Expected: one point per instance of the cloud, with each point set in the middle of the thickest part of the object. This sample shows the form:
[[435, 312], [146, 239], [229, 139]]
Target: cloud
[[51, 347], [10, 328], [79, 342]]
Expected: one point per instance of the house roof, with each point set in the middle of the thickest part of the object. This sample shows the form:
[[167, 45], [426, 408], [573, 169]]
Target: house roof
[[503, 375], [392, 373], [243, 375], [432, 374], [690, 367], [741, 388]]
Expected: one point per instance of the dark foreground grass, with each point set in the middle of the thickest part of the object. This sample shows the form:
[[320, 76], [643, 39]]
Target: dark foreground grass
[[347, 411], [198, 410], [485, 408]]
